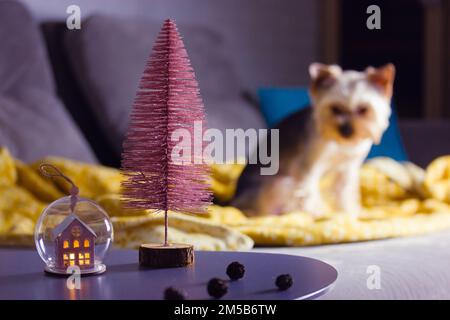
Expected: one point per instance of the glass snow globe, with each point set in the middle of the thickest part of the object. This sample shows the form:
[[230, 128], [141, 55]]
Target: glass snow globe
[[73, 234]]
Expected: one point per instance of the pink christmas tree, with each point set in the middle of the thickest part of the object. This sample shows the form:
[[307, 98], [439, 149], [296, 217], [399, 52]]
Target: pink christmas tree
[[168, 99]]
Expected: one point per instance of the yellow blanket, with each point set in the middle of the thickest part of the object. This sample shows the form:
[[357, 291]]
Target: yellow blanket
[[399, 200]]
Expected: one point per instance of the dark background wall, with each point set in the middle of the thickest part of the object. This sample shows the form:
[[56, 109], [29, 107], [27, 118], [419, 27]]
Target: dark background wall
[[400, 41]]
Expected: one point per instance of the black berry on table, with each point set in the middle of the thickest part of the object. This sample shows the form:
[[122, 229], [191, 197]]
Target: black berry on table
[[284, 281], [217, 288], [235, 270], [172, 293]]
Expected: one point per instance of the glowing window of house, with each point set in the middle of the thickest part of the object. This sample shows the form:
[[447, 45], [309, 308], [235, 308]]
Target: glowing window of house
[[81, 262], [65, 244], [87, 255], [80, 256], [87, 243], [65, 257], [72, 256], [72, 262], [87, 261]]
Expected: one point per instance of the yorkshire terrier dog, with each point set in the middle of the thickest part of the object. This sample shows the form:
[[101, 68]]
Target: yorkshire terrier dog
[[350, 111]]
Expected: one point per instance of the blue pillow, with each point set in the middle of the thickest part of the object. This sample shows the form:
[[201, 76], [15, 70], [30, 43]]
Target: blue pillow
[[278, 103]]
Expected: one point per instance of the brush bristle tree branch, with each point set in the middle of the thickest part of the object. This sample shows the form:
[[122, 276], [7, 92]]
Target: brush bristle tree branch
[[168, 99]]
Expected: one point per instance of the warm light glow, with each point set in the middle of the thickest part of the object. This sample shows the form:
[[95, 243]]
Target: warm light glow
[[76, 243], [87, 255], [72, 263], [65, 257], [76, 231], [86, 243], [72, 256], [65, 244], [80, 256], [81, 262], [87, 261]]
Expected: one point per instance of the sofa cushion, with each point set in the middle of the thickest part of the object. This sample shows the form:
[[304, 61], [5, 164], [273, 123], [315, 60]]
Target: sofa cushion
[[23, 59], [33, 122], [425, 140], [279, 103], [72, 96], [108, 56], [36, 125]]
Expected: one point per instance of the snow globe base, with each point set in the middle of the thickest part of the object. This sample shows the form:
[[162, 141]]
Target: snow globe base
[[97, 269], [173, 255]]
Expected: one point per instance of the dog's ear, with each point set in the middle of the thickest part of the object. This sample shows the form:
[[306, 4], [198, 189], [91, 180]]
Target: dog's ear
[[382, 78], [323, 76]]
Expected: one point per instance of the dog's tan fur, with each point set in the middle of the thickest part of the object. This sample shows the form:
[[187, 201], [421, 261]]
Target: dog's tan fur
[[350, 111]]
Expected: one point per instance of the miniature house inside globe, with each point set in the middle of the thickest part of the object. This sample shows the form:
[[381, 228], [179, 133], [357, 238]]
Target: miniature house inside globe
[[79, 238]]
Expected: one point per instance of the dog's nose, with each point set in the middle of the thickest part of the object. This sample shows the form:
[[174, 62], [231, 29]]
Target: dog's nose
[[346, 130]]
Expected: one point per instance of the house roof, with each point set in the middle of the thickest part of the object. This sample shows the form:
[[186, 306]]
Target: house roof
[[66, 223]]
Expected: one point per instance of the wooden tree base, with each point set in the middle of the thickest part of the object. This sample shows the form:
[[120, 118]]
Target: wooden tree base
[[152, 255]]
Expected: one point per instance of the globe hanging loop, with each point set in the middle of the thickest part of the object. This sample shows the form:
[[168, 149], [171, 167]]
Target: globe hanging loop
[[46, 170]]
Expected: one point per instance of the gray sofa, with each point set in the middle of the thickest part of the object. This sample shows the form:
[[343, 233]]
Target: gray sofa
[[75, 87], [33, 121], [97, 68], [68, 93]]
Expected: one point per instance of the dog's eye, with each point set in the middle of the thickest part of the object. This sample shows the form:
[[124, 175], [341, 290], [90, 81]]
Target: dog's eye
[[362, 110], [337, 110]]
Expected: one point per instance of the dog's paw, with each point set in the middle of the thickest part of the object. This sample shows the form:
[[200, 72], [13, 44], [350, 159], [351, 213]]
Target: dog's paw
[[350, 209], [314, 206]]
